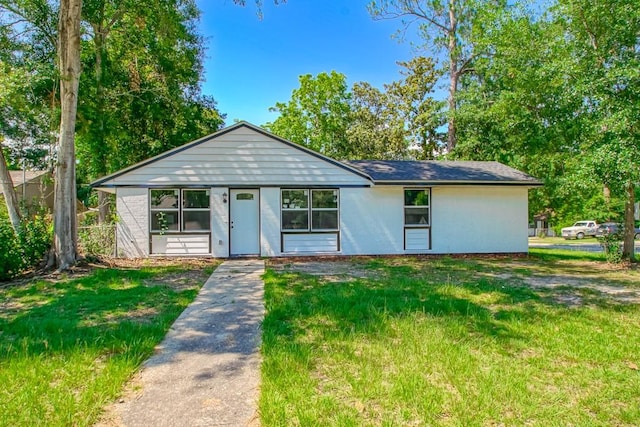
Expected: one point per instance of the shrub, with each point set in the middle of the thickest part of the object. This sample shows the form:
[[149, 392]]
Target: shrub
[[35, 237], [612, 246], [97, 240], [25, 249], [11, 263]]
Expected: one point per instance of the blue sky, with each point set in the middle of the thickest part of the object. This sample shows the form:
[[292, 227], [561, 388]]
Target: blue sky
[[251, 64]]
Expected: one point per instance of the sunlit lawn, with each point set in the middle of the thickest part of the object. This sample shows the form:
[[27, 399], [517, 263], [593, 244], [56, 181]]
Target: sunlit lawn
[[68, 346], [452, 342]]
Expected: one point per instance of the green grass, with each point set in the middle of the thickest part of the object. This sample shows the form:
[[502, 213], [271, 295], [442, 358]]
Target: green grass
[[563, 241], [68, 347], [449, 342], [564, 254]]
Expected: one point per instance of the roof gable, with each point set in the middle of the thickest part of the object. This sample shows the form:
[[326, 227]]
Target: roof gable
[[442, 172], [240, 155]]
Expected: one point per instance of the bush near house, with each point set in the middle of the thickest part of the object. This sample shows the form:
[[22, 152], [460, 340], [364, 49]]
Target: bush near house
[[26, 249]]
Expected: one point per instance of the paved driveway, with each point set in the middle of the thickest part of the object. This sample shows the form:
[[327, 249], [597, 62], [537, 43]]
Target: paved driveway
[[590, 246]]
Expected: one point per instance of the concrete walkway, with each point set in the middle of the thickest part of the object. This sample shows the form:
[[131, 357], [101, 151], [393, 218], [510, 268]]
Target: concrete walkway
[[206, 371]]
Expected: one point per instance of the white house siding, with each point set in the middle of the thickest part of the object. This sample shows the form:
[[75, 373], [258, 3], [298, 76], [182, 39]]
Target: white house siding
[[310, 243], [241, 157], [270, 221], [132, 206], [220, 222], [180, 244], [479, 219], [372, 220]]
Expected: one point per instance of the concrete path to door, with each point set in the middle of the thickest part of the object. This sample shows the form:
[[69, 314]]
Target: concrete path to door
[[206, 371]]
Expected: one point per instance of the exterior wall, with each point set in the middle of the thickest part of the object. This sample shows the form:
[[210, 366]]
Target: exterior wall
[[270, 221], [219, 222], [180, 244], [464, 219], [479, 219], [242, 157], [132, 207], [372, 220]]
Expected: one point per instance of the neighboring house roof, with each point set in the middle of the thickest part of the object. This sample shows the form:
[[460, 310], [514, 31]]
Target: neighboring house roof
[[441, 172], [20, 177]]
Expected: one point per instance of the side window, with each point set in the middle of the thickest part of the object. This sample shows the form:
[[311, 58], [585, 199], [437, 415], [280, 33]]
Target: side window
[[324, 210], [417, 207]]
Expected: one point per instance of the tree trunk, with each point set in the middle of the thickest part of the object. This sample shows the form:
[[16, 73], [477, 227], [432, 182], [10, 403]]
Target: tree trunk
[[628, 251], [64, 209], [9, 192], [453, 76]]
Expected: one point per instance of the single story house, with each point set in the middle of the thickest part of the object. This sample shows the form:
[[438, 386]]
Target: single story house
[[243, 191], [33, 188]]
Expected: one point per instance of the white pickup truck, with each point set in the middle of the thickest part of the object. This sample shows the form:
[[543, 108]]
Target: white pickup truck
[[580, 230]]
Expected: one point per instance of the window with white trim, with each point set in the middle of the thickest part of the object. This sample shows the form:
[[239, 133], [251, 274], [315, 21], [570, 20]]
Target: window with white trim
[[307, 210], [174, 210], [417, 207]]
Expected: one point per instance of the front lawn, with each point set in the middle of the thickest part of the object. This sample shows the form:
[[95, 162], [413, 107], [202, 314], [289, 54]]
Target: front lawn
[[473, 341], [67, 346]]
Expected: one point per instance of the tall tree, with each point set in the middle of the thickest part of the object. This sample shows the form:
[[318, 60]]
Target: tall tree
[[448, 26], [559, 98], [64, 209], [142, 83], [377, 129], [413, 97], [6, 184], [317, 116]]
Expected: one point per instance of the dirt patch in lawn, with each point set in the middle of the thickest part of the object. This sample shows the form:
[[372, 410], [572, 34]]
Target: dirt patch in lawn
[[196, 269], [329, 270], [574, 283]]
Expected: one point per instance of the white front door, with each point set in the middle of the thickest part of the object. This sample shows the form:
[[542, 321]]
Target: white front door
[[245, 222]]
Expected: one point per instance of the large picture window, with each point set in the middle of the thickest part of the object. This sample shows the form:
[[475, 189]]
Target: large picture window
[[174, 210], [310, 210], [416, 207]]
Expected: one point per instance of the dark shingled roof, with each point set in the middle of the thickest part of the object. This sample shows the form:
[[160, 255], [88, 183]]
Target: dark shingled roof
[[442, 172]]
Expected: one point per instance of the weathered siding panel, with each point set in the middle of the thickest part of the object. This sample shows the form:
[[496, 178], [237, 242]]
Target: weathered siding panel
[[310, 243], [132, 207], [182, 244], [416, 239], [241, 157], [479, 219]]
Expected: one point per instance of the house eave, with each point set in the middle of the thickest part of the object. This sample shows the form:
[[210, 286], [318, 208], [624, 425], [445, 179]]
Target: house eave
[[427, 183]]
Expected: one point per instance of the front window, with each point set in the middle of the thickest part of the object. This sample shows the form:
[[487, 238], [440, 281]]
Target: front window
[[165, 210], [196, 215], [174, 210], [416, 207], [310, 210]]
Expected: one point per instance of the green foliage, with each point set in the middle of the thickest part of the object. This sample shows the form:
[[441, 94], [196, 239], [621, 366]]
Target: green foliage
[[365, 123], [317, 116], [10, 259], [558, 98], [27, 248], [35, 238], [612, 246]]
